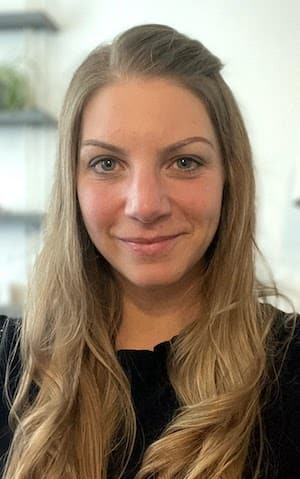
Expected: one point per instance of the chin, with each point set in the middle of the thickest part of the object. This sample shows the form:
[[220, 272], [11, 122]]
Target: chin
[[152, 284], [161, 280]]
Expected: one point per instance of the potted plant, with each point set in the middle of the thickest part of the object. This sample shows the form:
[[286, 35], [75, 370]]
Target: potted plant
[[15, 93]]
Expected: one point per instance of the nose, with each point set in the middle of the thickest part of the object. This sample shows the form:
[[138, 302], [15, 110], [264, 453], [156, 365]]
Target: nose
[[147, 200]]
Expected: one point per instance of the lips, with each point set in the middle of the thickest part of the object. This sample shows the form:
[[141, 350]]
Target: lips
[[150, 246], [156, 239]]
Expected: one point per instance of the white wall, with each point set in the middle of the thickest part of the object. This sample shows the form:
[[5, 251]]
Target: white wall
[[259, 42]]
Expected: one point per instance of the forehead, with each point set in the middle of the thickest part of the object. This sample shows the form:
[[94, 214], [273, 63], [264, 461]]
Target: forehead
[[153, 109]]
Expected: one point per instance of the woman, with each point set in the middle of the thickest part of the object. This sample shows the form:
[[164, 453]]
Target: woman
[[147, 347]]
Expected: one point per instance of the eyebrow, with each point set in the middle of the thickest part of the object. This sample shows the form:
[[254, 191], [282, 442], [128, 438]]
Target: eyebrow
[[165, 149]]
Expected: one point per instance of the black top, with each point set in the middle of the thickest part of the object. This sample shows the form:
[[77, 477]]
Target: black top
[[155, 404]]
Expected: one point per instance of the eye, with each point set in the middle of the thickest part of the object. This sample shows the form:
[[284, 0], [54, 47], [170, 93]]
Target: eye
[[187, 163], [105, 164]]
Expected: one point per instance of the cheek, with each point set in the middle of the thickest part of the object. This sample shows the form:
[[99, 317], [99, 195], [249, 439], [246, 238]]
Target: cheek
[[97, 208], [204, 203]]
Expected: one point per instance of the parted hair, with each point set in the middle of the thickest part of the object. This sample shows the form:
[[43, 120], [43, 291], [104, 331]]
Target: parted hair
[[82, 412]]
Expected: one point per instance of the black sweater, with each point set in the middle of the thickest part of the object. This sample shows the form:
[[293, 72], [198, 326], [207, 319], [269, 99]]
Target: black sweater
[[155, 404]]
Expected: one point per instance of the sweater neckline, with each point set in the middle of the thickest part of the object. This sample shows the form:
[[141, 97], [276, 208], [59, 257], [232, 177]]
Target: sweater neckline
[[157, 349]]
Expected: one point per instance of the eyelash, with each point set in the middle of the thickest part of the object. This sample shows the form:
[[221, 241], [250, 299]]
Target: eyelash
[[197, 162]]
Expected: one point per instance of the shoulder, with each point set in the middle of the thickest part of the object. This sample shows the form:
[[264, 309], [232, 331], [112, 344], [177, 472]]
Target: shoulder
[[9, 337], [281, 411], [9, 328], [283, 350], [286, 345], [9, 350], [9, 376]]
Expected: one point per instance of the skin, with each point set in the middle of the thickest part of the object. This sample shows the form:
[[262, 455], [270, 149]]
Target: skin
[[150, 210]]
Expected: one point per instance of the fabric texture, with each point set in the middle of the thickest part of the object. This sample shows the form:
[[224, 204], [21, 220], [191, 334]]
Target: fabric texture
[[155, 404]]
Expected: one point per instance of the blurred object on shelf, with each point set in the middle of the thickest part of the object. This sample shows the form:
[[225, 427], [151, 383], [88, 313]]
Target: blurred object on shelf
[[15, 91], [17, 294], [14, 307]]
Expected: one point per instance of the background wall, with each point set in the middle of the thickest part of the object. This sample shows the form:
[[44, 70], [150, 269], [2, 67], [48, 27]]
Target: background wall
[[259, 43]]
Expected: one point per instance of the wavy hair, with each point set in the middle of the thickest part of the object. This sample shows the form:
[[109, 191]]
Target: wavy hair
[[82, 410]]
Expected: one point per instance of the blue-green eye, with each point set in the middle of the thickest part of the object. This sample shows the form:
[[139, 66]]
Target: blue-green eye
[[105, 164], [187, 163]]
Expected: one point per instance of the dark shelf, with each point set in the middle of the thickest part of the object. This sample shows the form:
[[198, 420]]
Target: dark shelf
[[34, 19], [297, 202], [27, 218], [26, 117]]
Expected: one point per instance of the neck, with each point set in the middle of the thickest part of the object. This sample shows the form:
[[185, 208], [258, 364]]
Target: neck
[[154, 315]]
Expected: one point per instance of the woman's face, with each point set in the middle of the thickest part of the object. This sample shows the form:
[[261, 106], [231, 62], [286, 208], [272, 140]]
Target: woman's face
[[150, 180]]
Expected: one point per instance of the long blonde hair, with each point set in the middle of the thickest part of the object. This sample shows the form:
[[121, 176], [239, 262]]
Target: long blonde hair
[[82, 410]]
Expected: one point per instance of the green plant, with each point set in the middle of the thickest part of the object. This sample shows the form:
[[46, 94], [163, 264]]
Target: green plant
[[14, 89]]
